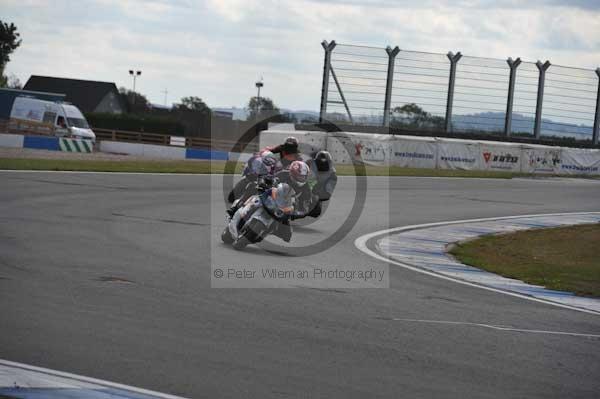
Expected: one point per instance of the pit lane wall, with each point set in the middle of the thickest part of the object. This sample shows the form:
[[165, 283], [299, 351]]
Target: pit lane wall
[[442, 153]]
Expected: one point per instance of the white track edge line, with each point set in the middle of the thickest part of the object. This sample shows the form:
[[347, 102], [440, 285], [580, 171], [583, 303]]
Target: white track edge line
[[361, 244], [90, 380]]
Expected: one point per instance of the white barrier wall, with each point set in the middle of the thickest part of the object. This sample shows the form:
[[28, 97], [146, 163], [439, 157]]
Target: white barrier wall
[[142, 150], [442, 153], [11, 140]]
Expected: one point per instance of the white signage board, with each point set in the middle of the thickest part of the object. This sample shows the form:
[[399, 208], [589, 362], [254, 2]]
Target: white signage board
[[414, 152], [370, 149], [540, 159], [458, 154], [577, 161], [502, 157]]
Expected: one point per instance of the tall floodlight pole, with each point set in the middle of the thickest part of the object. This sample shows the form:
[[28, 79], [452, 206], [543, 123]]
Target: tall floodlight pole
[[134, 74], [258, 84]]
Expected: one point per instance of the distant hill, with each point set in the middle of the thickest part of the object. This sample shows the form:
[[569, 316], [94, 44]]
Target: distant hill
[[494, 122]]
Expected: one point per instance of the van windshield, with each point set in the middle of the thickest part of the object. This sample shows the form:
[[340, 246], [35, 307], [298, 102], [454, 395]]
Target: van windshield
[[78, 122]]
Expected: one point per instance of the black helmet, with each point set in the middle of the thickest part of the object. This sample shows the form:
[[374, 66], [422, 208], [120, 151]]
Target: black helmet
[[290, 145], [323, 161]]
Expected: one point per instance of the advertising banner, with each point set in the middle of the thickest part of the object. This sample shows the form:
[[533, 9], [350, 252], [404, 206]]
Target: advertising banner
[[371, 149], [503, 157], [411, 152], [458, 154], [541, 159], [580, 162]]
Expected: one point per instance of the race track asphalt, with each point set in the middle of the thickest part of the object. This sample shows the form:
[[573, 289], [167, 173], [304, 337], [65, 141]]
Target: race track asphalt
[[108, 276]]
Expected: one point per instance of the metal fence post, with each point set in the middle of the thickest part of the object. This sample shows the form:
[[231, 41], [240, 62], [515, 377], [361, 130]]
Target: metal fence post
[[392, 53], [596, 131], [453, 61], [537, 127], [328, 47], [513, 64]]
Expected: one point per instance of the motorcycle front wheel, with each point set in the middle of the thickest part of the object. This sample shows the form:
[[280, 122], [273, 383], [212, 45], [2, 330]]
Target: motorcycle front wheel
[[251, 233], [226, 236]]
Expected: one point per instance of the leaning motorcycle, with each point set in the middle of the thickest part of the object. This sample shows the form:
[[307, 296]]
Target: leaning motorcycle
[[259, 216]]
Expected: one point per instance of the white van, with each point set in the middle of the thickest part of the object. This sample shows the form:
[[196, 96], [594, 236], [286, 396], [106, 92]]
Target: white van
[[60, 119]]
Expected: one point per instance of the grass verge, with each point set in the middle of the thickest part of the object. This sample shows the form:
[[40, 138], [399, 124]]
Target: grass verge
[[564, 258], [207, 167], [203, 167]]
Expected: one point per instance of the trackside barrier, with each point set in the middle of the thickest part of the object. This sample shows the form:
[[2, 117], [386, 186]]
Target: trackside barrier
[[75, 145], [404, 151], [142, 150], [192, 153], [41, 143], [117, 147], [11, 140], [444, 153], [46, 143]]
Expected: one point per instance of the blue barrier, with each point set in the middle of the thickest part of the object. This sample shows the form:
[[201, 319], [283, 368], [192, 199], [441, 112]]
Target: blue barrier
[[41, 143], [192, 153]]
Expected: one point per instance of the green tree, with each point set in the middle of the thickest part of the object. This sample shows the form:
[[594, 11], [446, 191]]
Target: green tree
[[260, 106], [134, 101], [413, 116], [193, 103], [9, 41], [11, 82]]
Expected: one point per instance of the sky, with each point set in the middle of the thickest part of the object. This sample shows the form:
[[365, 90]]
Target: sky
[[218, 49]]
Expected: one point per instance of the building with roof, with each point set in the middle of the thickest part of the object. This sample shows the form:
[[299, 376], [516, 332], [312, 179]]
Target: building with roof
[[87, 95]]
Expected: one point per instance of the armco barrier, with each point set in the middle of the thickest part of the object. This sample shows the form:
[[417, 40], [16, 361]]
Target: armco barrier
[[443, 153]]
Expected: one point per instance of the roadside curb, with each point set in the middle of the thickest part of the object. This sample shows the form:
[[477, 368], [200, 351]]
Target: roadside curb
[[22, 380], [423, 248]]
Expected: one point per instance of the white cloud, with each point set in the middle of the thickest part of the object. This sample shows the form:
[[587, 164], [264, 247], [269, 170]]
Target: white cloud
[[217, 49]]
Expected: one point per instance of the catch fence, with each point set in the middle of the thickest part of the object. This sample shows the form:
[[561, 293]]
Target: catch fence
[[452, 93]]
